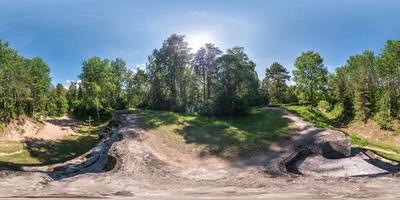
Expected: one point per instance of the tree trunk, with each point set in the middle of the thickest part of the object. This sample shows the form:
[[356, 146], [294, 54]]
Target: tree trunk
[[204, 84]]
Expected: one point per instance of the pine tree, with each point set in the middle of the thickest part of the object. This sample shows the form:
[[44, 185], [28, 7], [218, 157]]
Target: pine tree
[[275, 82]]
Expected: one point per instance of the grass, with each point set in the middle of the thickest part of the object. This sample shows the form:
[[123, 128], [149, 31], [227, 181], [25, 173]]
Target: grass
[[328, 120], [42, 152], [222, 136], [318, 118], [387, 151]]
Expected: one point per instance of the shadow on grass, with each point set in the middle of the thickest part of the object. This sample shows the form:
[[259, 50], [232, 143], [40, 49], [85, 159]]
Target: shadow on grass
[[52, 152], [226, 137], [320, 119], [154, 119]]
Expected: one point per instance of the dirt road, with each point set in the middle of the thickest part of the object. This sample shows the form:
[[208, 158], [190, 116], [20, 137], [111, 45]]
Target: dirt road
[[139, 174]]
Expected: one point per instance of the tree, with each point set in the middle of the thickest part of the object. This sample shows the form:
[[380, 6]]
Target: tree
[[167, 70], [274, 82], [39, 84], [362, 70], [14, 82], [137, 88], [310, 76], [204, 64], [60, 100], [340, 80], [117, 94], [389, 75], [237, 83], [97, 80], [24, 85], [72, 96]]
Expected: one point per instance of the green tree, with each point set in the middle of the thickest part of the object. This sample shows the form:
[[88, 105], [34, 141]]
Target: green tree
[[310, 76], [362, 69], [72, 95], [167, 72], [39, 84], [205, 64], [274, 82], [237, 83], [389, 76], [137, 88], [97, 82], [117, 94], [61, 101]]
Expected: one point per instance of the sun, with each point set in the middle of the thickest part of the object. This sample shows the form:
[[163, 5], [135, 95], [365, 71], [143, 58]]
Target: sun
[[197, 40]]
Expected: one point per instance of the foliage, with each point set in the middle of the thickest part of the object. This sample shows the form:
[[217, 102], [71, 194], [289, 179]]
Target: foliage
[[206, 82], [237, 83], [362, 69], [310, 76], [25, 87], [60, 100], [274, 83], [323, 105], [137, 88], [205, 67], [168, 74], [102, 89], [383, 116]]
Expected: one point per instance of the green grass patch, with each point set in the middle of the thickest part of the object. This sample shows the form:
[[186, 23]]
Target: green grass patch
[[318, 118], [240, 135], [42, 152], [367, 144]]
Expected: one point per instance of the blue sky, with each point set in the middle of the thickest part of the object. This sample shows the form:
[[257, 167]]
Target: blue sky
[[65, 32]]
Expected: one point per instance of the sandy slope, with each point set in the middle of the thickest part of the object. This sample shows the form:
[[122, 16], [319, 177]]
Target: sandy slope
[[141, 173], [51, 129]]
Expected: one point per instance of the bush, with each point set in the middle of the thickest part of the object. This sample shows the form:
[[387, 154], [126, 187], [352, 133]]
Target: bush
[[323, 106], [230, 105], [382, 117], [383, 120]]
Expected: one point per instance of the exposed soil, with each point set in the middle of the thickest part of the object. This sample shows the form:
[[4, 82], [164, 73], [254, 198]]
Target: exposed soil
[[51, 129], [141, 170], [373, 132]]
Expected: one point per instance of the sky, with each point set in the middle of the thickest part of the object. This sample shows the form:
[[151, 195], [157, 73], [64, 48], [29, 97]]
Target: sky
[[66, 32]]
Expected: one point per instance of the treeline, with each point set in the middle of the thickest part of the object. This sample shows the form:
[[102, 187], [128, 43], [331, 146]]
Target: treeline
[[25, 87], [208, 82], [366, 87]]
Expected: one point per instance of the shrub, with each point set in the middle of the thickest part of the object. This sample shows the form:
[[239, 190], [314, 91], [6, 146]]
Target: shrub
[[230, 105], [324, 106]]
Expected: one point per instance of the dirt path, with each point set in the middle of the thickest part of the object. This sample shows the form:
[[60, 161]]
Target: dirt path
[[140, 174]]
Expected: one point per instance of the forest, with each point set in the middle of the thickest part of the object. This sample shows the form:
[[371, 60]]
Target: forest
[[208, 82]]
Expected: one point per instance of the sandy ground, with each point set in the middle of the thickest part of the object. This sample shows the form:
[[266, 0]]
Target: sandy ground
[[50, 129], [143, 173]]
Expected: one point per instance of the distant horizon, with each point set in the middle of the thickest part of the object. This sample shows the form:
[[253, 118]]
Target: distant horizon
[[65, 33]]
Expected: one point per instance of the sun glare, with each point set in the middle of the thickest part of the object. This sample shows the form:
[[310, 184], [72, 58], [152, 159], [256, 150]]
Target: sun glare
[[198, 40]]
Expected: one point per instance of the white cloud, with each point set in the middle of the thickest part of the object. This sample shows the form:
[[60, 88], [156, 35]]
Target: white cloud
[[68, 83], [140, 66]]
